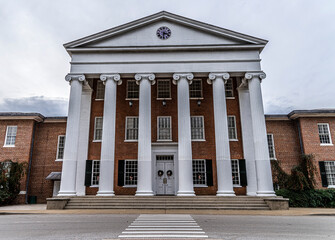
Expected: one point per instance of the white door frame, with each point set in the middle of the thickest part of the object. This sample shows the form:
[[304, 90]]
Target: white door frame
[[165, 150]]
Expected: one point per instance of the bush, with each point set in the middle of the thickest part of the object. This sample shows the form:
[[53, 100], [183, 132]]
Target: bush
[[324, 198], [11, 174]]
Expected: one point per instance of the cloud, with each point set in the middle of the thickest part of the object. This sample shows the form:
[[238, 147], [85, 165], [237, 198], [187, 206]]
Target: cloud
[[40, 104]]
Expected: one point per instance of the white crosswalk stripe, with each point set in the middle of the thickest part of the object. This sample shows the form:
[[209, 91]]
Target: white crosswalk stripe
[[163, 226]]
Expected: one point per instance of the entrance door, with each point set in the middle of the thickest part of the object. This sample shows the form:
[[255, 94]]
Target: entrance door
[[165, 175]]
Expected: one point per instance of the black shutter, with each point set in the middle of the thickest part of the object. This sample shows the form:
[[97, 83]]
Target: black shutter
[[209, 172], [243, 172], [120, 179], [323, 174], [88, 173]]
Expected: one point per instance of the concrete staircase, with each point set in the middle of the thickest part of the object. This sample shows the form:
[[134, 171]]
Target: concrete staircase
[[168, 203]]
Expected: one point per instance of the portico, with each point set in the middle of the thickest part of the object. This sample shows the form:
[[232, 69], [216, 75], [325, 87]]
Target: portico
[[196, 62]]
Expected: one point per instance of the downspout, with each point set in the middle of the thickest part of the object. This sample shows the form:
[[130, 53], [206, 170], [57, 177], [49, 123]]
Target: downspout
[[30, 161], [300, 137]]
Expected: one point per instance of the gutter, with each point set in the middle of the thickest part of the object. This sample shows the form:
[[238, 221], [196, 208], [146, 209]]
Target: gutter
[[300, 137], [30, 161]]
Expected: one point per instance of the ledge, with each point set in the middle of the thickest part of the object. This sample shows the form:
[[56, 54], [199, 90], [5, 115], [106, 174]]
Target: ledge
[[57, 203], [277, 203]]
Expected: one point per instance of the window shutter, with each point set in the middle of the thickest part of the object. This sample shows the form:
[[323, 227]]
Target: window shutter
[[88, 173], [209, 172], [120, 181], [323, 174], [243, 172]]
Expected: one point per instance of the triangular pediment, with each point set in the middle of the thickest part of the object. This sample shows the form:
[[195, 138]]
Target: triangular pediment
[[184, 32]]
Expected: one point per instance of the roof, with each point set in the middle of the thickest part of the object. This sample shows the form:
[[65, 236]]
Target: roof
[[312, 113], [54, 176], [19, 115]]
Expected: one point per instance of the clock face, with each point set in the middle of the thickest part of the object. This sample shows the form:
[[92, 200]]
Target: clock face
[[163, 32]]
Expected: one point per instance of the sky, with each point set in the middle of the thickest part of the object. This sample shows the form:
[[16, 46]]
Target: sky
[[299, 59]]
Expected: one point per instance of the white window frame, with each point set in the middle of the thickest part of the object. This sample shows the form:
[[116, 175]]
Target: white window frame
[[124, 175], [127, 98], [10, 145], [238, 172], [330, 173], [330, 138], [125, 135], [201, 90], [230, 90], [273, 146], [103, 90], [205, 171], [170, 121], [93, 172], [235, 128], [95, 129], [164, 80], [57, 155], [203, 130]]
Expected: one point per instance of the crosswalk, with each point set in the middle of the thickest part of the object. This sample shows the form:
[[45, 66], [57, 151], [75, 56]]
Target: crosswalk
[[163, 226]]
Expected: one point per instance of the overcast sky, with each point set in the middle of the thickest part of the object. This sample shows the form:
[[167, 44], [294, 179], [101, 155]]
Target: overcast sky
[[299, 59]]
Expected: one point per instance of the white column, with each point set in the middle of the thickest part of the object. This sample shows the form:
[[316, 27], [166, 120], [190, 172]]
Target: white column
[[68, 180], [185, 171], [262, 159], [248, 138], [144, 165], [223, 160], [84, 130], [106, 179]]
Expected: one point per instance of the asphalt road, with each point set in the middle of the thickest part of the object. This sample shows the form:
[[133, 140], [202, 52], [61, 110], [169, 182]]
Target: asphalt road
[[103, 226]]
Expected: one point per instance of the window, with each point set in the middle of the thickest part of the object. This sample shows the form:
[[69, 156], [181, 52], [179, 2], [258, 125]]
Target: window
[[324, 133], [130, 173], [229, 88], [330, 173], [197, 128], [271, 146], [95, 172], [196, 89], [132, 90], [235, 169], [100, 93], [163, 89], [232, 128], [131, 128], [11, 136], [98, 129], [199, 172], [60, 147], [164, 128]]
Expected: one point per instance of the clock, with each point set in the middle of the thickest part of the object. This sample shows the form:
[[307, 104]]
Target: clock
[[163, 32]]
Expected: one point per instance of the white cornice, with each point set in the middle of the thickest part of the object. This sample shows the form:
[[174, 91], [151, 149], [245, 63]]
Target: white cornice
[[170, 17], [34, 118]]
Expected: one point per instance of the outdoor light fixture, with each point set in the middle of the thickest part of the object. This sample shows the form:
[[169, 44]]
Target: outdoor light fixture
[[199, 102], [164, 103], [130, 103]]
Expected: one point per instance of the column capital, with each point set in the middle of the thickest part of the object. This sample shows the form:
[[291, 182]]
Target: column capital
[[212, 76], [79, 77], [113, 76], [148, 76], [250, 75], [178, 76]]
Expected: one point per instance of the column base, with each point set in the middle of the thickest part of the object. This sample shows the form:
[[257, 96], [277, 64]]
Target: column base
[[225, 194], [185, 194], [266, 194], [66, 194], [105, 194], [253, 194], [145, 194]]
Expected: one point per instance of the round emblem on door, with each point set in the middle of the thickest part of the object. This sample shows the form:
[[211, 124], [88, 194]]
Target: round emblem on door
[[160, 173], [169, 173]]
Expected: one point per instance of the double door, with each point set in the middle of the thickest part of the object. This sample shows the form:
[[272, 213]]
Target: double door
[[165, 175]]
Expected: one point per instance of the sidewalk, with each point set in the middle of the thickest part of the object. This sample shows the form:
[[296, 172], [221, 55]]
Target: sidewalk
[[41, 209]]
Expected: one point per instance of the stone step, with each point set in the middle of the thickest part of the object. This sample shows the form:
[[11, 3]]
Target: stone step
[[161, 202], [174, 207]]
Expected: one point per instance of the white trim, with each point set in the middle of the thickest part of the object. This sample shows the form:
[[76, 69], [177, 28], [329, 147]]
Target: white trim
[[95, 128], [57, 158], [203, 130], [273, 146], [164, 140], [96, 92], [95, 185], [125, 128], [124, 173], [131, 99], [205, 170], [230, 98], [164, 80], [235, 128], [330, 136], [5, 142], [201, 89], [238, 172]]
